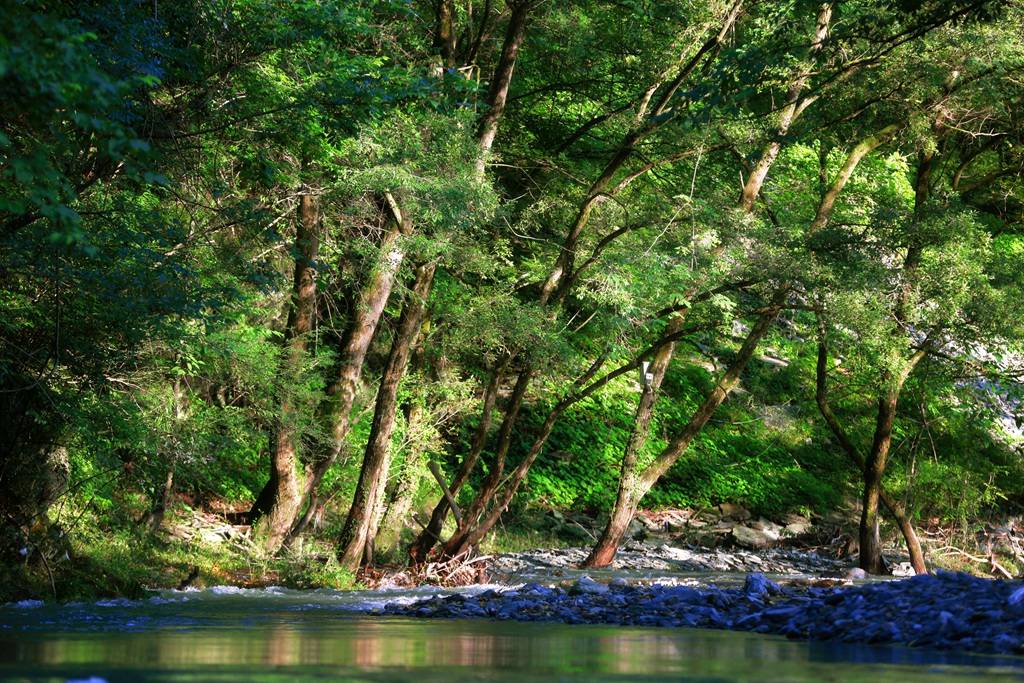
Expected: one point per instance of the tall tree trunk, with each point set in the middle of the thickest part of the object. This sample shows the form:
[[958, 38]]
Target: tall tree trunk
[[874, 469], [356, 541], [407, 482], [444, 31], [604, 550], [556, 287], [870, 559], [368, 311], [895, 509], [497, 96], [403, 491], [286, 476]]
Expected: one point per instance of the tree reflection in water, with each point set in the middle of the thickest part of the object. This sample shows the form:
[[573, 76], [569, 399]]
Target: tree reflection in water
[[275, 638]]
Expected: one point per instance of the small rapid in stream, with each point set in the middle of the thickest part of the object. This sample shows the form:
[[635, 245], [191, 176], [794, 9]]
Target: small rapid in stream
[[232, 634]]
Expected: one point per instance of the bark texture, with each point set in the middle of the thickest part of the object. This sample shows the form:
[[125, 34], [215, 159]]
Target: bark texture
[[285, 488], [604, 550], [501, 80], [894, 507], [370, 303], [357, 536]]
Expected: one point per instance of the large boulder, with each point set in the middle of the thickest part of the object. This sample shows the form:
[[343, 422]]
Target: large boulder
[[767, 526], [749, 537]]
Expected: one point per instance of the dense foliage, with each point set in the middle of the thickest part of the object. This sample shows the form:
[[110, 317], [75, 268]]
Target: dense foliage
[[282, 258]]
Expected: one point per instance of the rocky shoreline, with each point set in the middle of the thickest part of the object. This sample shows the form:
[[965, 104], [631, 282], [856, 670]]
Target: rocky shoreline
[[949, 611]]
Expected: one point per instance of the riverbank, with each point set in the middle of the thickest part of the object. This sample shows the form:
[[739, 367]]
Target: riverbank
[[949, 611], [196, 548]]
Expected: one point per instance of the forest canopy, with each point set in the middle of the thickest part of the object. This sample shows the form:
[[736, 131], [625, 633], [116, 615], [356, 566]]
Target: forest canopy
[[384, 276]]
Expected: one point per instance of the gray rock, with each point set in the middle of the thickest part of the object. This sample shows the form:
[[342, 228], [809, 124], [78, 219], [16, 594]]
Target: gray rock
[[796, 525], [944, 610], [757, 584], [768, 527], [587, 586], [748, 537]]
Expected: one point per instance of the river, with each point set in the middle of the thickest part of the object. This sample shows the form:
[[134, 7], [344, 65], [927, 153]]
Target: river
[[269, 635]]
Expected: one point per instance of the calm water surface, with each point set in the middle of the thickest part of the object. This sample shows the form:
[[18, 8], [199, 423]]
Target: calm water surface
[[279, 635]]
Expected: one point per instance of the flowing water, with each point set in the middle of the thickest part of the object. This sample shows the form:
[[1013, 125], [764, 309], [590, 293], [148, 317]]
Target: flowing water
[[227, 634]]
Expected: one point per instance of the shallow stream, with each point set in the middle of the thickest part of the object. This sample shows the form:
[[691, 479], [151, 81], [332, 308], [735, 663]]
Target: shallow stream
[[228, 634]]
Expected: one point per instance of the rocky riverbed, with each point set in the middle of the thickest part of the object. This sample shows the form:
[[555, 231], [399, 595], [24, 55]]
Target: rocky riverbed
[[656, 559], [945, 610]]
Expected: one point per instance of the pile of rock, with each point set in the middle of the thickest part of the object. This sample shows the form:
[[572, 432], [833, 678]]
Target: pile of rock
[[727, 525], [946, 610], [723, 525], [208, 528]]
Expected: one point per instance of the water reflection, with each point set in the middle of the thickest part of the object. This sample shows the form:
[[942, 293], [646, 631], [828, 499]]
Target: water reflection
[[281, 638]]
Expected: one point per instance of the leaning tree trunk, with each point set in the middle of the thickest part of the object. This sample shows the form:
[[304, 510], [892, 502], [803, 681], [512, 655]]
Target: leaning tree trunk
[[497, 96], [626, 506], [369, 308], [285, 496], [496, 494], [492, 482], [474, 531], [401, 497], [356, 541], [497, 93], [627, 499], [603, 552], [796, 103], [431, 533], [401, 494]]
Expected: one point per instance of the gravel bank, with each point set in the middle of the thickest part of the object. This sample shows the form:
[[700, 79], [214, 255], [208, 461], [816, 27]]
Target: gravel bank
[[945, 610]]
